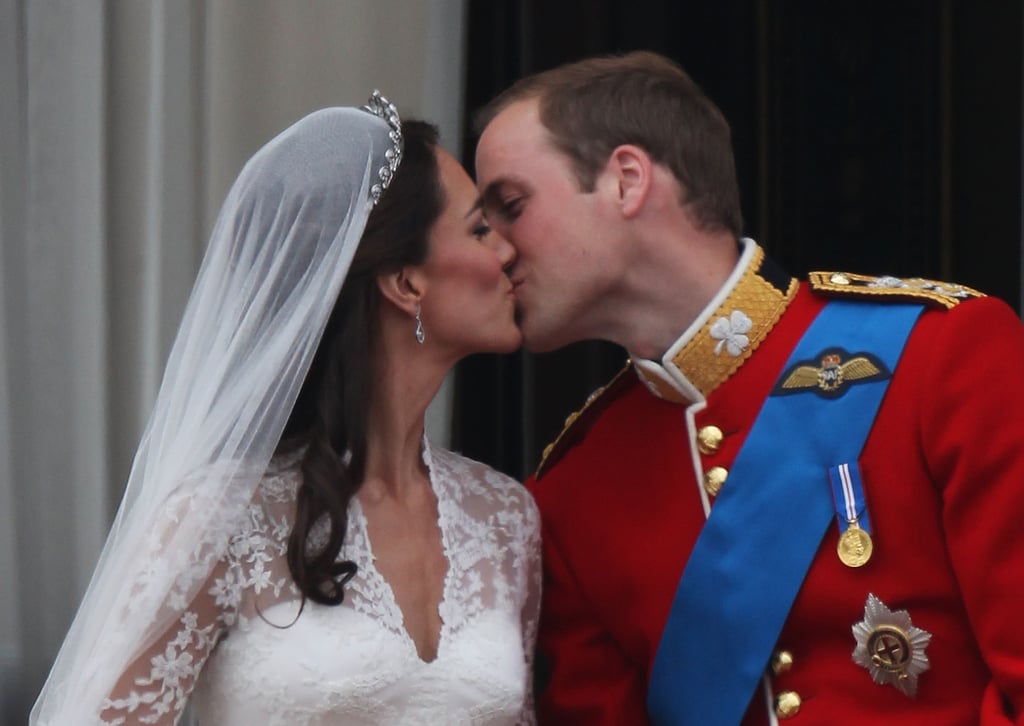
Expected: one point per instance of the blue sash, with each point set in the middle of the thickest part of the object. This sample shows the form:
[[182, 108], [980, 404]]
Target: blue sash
[[766, 526]]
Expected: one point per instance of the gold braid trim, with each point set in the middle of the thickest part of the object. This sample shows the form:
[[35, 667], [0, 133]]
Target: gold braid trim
[[760, 301], [911, 289], [580, 421]]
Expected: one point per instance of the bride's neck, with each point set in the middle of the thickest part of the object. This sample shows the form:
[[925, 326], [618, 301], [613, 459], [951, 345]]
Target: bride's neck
[[403, 388]]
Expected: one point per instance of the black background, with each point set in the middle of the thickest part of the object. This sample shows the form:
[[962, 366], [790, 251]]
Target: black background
[[876, 137]]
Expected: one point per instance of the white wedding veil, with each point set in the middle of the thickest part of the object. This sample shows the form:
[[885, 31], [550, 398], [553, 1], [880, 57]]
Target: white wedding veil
[[278, 255]]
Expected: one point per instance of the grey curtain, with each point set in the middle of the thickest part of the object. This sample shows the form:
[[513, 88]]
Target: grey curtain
[[122, 124]]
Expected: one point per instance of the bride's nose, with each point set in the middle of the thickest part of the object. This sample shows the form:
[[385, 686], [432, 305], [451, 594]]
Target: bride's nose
[[503, 249]]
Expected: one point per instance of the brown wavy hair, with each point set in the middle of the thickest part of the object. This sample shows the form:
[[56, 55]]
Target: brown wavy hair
[[329, 419]]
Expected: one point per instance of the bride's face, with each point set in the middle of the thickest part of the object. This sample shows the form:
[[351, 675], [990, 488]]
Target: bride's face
[[469, 302]]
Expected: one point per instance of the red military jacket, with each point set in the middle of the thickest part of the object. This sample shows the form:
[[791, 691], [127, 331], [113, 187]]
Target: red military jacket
[[623, 493]]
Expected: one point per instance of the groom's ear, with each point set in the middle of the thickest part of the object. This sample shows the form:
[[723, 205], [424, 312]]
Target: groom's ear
[[630, 169], [404, 288]]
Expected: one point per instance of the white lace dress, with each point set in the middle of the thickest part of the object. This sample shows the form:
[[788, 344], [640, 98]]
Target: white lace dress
[[245, 659]]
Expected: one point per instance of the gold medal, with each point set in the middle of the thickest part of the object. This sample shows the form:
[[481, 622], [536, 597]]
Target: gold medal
[[854, 546]]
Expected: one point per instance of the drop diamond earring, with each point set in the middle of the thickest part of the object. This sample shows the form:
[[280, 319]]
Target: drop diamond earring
[[420, 335]]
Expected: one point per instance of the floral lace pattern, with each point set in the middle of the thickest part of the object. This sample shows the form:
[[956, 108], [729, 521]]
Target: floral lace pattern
[[248, 655]]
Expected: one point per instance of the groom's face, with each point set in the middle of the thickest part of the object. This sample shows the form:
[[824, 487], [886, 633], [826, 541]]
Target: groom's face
[[532, 198]]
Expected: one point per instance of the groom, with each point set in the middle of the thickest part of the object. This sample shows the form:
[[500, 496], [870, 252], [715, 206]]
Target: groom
[[800, 499]]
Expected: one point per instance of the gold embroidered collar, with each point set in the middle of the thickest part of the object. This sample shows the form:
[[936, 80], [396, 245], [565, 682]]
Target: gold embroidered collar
[[726, 334]]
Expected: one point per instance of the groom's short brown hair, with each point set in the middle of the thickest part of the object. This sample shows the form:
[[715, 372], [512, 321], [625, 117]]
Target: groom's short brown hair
[[594, 105]]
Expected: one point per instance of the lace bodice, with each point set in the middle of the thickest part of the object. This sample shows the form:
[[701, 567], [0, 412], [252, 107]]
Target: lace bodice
[[250, 657]]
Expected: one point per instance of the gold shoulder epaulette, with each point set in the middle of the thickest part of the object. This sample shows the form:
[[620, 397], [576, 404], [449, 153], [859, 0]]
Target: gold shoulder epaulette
[[578, 423], [914, 289]]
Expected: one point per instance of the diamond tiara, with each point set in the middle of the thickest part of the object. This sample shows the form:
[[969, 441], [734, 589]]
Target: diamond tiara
[[380, 106]]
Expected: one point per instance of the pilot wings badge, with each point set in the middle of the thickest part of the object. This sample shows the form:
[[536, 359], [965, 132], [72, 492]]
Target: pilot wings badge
[[831, 373]]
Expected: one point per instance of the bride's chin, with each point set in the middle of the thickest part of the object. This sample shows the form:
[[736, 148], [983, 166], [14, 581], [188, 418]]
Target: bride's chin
[[511, 342], [517, 342]]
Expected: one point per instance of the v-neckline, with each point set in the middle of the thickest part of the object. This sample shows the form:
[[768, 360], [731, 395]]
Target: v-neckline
[[391, 602]]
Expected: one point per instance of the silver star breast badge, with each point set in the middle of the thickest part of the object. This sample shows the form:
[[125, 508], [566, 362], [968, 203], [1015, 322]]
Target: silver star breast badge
[[890, 647]]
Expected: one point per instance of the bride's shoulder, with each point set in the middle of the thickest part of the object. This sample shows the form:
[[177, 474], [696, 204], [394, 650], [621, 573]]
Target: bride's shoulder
[[227, 495], [233, 480], [462, 466], [280, 482], [476, 476]]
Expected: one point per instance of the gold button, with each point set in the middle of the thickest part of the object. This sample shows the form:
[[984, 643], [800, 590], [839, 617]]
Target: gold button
[[787, 704], [709, 438], [714, 478], [839, 278], [782, 661]]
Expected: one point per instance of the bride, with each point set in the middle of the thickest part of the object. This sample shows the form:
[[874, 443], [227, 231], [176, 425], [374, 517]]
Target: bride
[[290, 548]]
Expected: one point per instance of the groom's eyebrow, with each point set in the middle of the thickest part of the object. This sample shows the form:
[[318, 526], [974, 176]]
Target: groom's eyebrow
[[488, 197], [477, 205]]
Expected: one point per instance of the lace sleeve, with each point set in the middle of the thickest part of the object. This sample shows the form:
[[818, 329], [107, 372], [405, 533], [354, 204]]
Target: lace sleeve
[[156, 687], [531, 602], [205, 594]]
